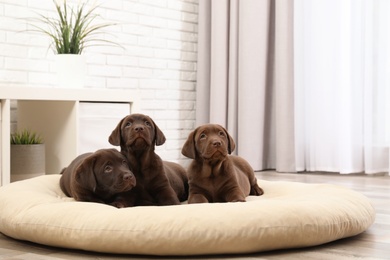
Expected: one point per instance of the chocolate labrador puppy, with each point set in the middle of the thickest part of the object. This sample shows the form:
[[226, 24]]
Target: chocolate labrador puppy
[[158, 182], [215, 175], [98, 177]]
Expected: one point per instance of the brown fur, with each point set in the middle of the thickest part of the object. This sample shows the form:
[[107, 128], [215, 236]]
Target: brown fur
[[215, 175], [98, 177], [158, 182]]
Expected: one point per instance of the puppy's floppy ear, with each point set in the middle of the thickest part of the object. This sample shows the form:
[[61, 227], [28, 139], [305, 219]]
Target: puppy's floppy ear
[[231, 143], [189, 146], [84, 175], [115, 137], [158, 134]]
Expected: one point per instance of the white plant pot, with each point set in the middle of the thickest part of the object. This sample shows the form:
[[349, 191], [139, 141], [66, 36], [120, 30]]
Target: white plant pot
[[71, 70]]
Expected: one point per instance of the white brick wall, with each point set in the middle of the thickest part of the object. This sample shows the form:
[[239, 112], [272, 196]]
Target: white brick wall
[[159, 57]]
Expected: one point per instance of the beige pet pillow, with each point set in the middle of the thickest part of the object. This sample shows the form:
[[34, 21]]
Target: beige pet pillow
[[288, 215]]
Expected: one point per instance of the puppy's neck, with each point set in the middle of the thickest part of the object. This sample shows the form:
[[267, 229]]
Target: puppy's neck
[[141, 159], [212, 168]]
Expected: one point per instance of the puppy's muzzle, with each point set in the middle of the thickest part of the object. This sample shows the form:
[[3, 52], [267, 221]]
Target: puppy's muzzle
[[216, 143], [129, 178], [139, 128]]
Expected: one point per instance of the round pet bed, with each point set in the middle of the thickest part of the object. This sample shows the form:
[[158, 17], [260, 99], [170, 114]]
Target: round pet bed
[[288, 215]]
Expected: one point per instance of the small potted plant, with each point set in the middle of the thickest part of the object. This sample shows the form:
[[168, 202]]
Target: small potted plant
[[27, 155], [71, 31]]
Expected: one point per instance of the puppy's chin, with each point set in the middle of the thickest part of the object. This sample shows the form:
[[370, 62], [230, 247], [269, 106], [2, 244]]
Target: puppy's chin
[[215, 155], [138, 144], [128, 187], [124, 186]]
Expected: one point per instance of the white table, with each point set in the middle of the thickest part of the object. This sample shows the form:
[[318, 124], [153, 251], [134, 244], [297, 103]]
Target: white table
[[53, 113]]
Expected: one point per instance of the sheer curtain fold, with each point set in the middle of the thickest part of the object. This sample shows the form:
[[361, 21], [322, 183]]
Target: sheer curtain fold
[[255, 136], [203, 64], [284, 85]]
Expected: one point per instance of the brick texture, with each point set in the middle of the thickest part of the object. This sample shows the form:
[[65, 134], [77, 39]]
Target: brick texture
[[159, 40]]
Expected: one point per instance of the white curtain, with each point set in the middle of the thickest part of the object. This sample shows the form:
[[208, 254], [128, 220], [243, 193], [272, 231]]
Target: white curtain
[[342, 85], [302, 85]]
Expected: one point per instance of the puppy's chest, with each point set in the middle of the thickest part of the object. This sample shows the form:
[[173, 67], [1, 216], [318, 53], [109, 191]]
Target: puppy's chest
[[213, 176], [215, 173], [212, 180], [212, 186]]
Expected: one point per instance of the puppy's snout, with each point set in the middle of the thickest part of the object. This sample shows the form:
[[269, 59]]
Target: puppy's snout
[[128, 176], [217, 143], [139, 128]]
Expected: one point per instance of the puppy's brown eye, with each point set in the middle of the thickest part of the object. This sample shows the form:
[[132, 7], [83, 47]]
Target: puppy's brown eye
[[221, 133], [128, 124], [108, 169], [202, 136], [147, 123]]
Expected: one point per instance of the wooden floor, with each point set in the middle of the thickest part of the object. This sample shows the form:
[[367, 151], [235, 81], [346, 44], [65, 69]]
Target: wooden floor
[[372, 244]]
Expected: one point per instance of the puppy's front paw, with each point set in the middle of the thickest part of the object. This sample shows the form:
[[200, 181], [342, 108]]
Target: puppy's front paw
[[118, 204], [169, 201], [238, 200], [197, 198], [256, 190], [236, 196]]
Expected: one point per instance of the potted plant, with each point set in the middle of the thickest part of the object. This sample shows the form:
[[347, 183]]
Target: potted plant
[[71, 31], [27, 155]]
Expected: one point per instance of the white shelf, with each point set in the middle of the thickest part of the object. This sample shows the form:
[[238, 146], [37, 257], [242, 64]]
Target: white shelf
[[60, 94], [54, 113]]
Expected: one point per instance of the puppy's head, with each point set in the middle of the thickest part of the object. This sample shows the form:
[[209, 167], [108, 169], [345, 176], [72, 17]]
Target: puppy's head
[[208, 142], [137, 132], [105, 173]]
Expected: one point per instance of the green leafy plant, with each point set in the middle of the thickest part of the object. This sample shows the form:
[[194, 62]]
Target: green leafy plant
[[72, 29], [26, 137]]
